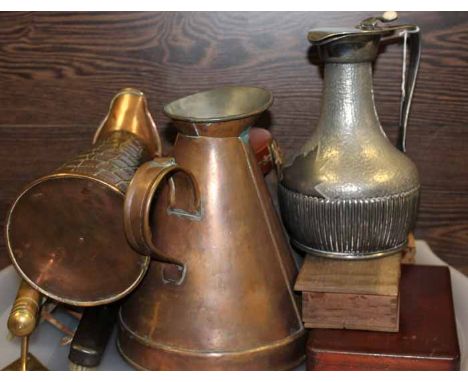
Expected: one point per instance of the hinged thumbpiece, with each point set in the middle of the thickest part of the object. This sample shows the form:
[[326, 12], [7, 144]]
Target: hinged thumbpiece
[[371, 22]]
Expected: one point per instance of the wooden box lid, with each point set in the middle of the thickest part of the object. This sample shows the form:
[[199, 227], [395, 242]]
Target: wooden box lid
[[371, 277]]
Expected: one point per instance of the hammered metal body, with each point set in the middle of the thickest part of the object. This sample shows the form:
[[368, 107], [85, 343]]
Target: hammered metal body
[[349, 193]]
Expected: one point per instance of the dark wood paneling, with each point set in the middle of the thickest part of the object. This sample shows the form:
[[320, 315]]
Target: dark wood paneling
[[58, 72]]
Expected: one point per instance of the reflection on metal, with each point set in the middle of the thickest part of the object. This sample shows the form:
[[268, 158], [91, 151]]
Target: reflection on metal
[[68, 225], [220, 295], [349, 192]]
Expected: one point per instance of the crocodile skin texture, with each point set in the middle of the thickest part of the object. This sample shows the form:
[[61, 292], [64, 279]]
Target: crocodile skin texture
[[113, 161]]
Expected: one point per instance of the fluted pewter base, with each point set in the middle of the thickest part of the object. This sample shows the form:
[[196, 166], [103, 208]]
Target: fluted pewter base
[[349, 228], [347, 255]]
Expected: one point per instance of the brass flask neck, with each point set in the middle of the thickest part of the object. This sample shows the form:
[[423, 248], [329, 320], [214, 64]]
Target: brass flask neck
[[129, 112]]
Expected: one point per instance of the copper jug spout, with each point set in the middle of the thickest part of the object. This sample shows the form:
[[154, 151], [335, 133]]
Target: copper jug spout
[[65, 232]]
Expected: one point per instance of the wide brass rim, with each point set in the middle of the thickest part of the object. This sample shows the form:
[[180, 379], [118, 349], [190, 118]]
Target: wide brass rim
[[229, 117]]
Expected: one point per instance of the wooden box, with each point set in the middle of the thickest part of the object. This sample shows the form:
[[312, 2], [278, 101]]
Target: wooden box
[[427, 339], [350, 294]]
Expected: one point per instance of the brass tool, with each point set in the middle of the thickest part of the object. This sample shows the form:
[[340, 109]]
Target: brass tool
[[21, 323]]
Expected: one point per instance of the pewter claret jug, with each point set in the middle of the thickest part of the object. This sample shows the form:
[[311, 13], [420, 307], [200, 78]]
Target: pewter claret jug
[[349, 193]]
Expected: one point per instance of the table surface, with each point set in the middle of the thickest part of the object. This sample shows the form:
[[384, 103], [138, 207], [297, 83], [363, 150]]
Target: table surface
[[45, 341]]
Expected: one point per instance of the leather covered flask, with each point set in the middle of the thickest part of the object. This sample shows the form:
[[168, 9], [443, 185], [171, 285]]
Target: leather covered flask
[[65, 232]]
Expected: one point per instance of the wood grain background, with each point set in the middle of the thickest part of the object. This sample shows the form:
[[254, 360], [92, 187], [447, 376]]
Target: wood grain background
[[58, 72]]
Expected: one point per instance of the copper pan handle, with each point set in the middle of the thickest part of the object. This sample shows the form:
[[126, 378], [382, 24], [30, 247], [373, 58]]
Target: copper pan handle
[[147, 180]]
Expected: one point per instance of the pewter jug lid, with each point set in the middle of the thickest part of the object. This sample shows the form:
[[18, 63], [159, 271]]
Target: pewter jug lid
[[370, 27]]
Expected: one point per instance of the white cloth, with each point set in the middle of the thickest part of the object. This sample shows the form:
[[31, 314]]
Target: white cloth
[[45, 341]]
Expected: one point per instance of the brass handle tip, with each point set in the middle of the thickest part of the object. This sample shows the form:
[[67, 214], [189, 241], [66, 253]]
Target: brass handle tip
[[21, 322], [23, 317]]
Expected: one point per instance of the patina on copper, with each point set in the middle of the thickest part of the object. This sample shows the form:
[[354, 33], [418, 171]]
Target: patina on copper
[[65, 231], [219, 296]]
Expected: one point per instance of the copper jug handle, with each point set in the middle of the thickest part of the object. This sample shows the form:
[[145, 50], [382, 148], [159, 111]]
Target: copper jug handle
[[146, 182]]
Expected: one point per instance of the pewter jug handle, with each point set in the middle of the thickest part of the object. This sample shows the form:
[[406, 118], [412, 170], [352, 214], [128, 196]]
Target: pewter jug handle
[[411, 39], [146, 182], [411, 35]]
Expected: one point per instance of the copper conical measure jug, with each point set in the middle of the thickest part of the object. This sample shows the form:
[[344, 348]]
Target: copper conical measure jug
[[219, 295]]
